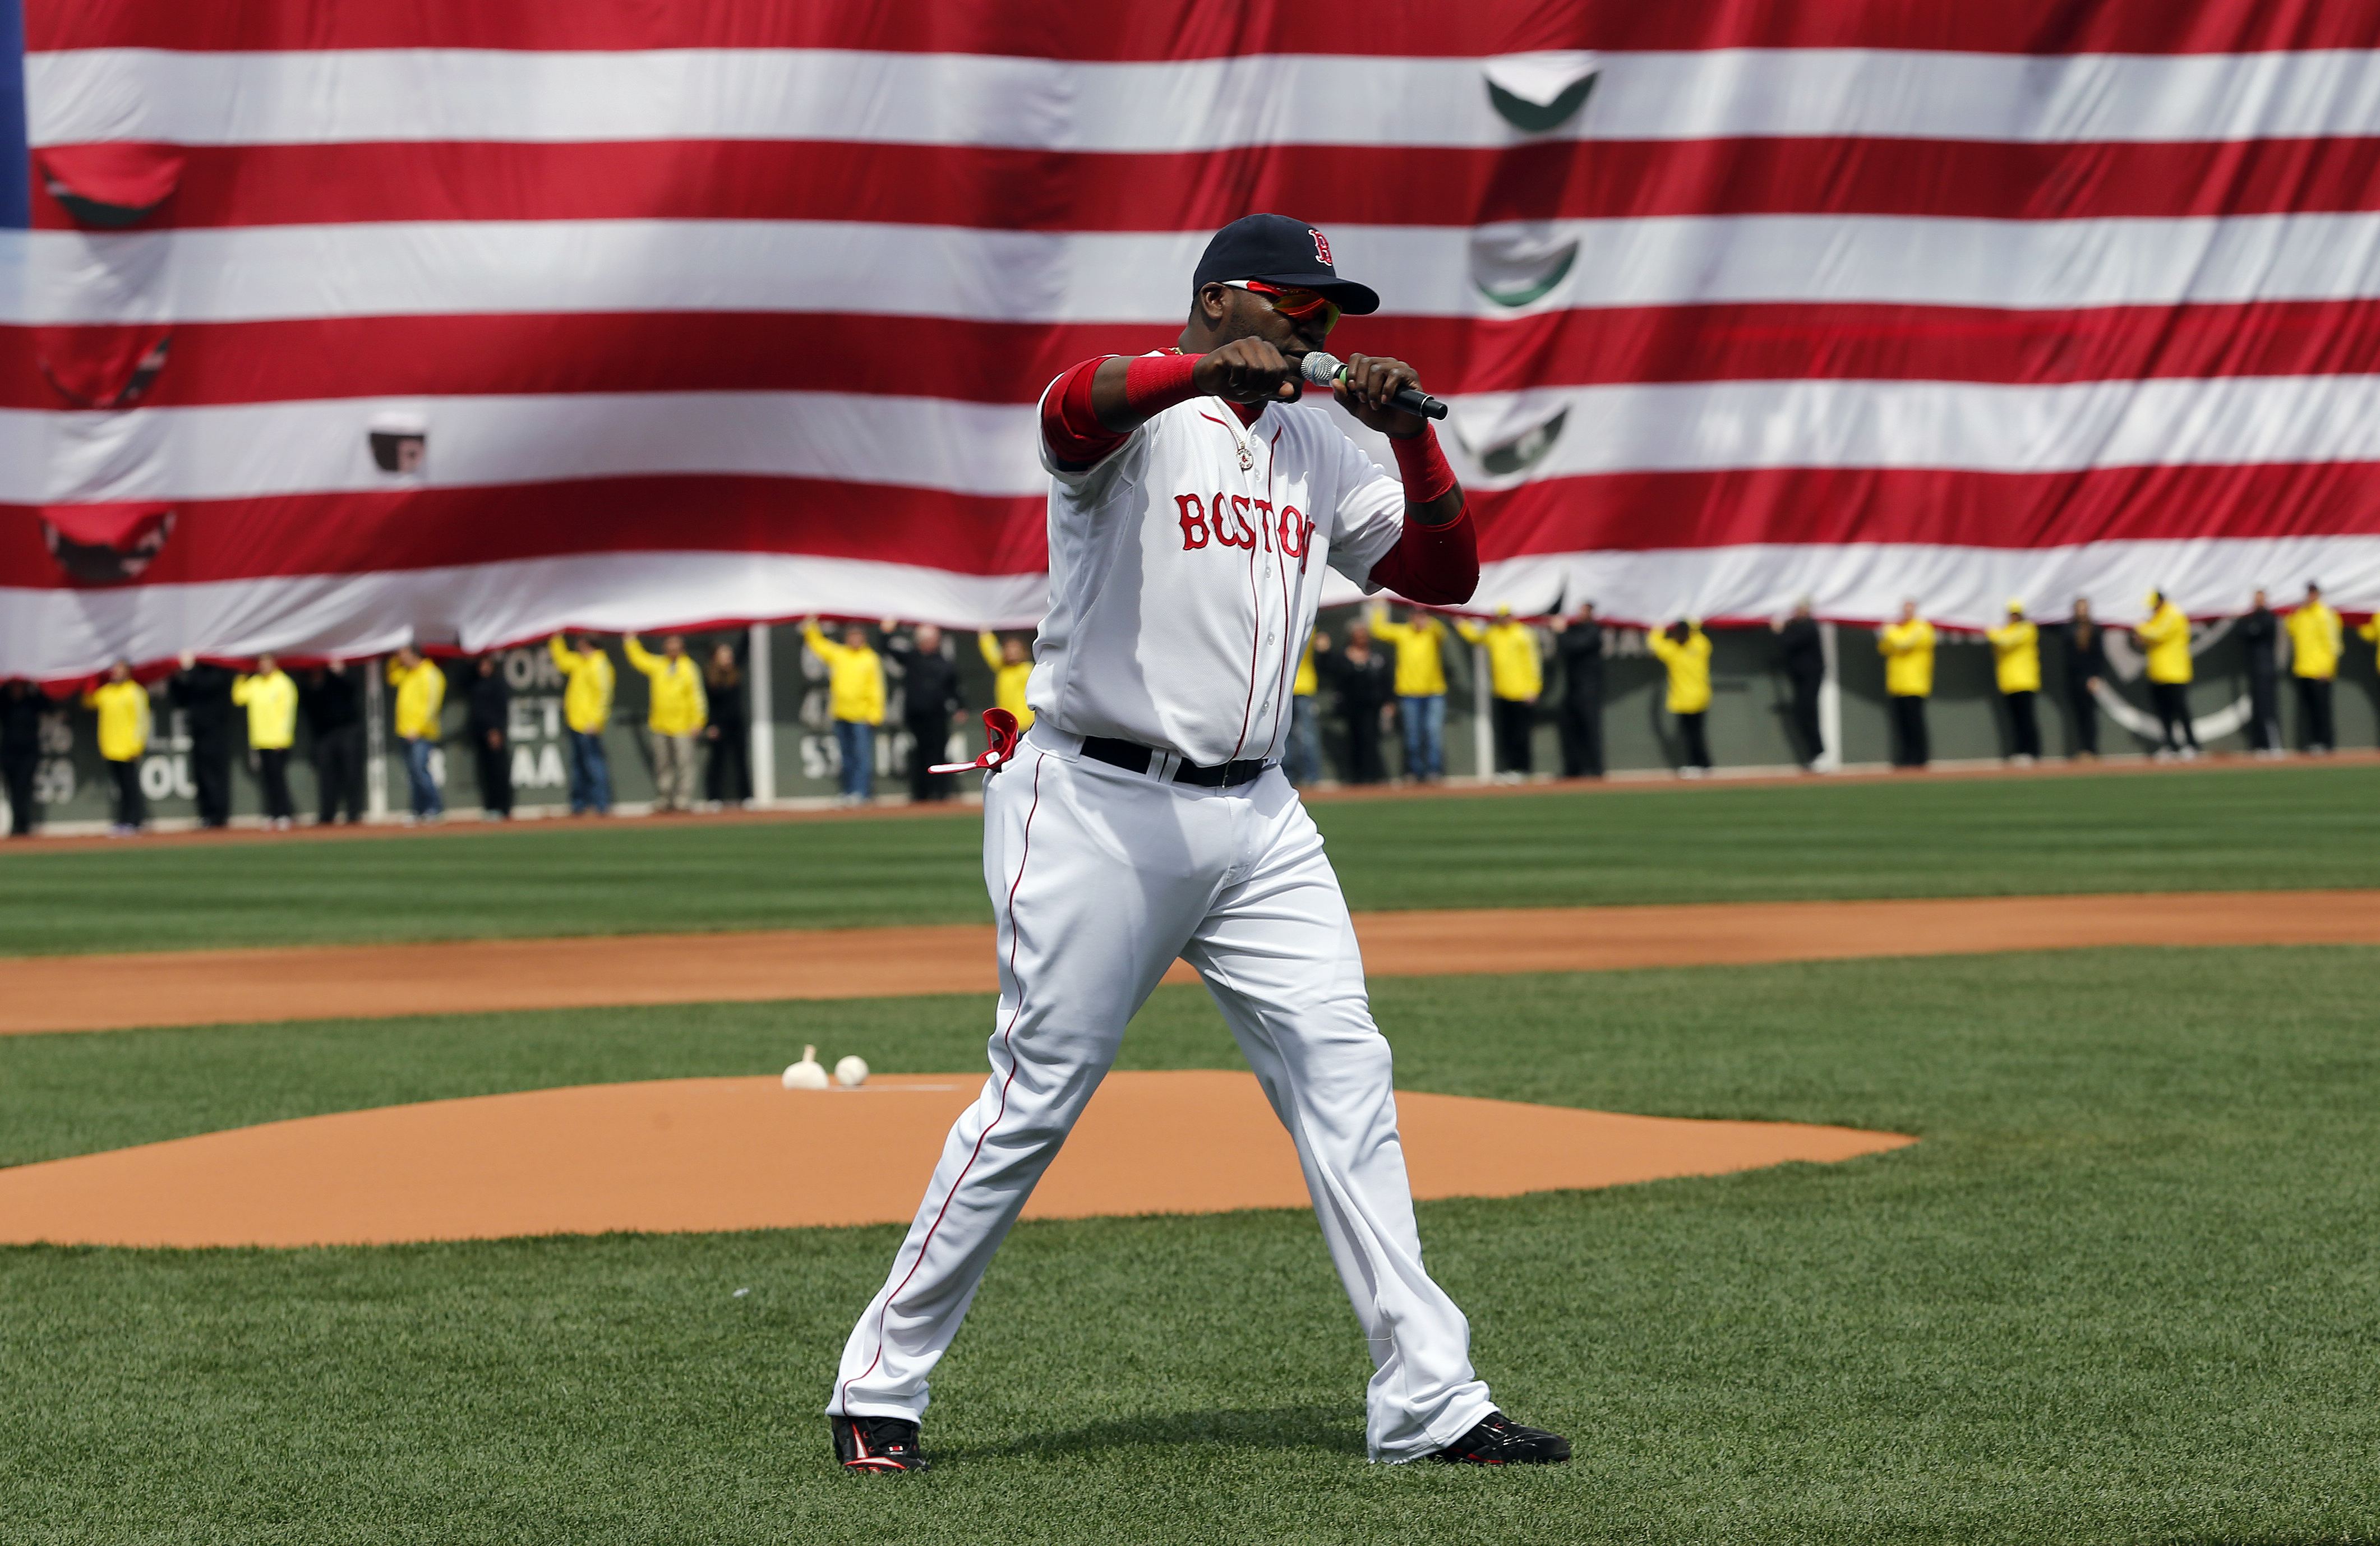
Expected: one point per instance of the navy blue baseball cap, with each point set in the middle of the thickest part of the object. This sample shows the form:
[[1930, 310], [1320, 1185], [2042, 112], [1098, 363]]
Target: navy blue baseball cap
[[1280, 251]]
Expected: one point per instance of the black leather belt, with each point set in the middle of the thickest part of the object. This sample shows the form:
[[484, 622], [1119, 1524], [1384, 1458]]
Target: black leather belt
[[1132, 757]]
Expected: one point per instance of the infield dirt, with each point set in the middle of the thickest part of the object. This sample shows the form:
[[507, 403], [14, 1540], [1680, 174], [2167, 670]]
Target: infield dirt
[[105, 993], [675, 1156]]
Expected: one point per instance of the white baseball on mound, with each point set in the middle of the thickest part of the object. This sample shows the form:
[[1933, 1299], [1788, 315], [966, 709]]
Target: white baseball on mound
[[851, 1072], [806, 1074]]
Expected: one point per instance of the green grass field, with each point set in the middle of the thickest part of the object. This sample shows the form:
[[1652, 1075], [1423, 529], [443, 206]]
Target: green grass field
[[2127, 1288], [2218, 829]]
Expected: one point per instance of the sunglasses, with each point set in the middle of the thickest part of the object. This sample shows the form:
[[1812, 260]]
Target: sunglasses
[[1296, 304]]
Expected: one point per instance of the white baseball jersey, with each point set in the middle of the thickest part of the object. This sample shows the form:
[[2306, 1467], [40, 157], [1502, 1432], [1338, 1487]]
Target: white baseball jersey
[[1184, 571]]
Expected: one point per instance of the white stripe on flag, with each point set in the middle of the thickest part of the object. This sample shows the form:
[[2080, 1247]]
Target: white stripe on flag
[[318, 447], [445, 268], [923, 99], [250, 450], [54, 634], [1957, 587], [1975, 427]]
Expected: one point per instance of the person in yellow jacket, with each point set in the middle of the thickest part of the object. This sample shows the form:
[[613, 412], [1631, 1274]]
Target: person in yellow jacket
[[2016, 665], [673, 717], [420, 694], [856, 698], [2315, 644], [123, 707], [1907, 647], [2165, 636], [1012, 671], [1686, 650], [1516, 675], [1420, 645], [1301, 760], [270, 699], [585, 709]]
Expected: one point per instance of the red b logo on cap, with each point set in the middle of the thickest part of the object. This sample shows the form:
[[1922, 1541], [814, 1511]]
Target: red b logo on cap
[[1321, 246]]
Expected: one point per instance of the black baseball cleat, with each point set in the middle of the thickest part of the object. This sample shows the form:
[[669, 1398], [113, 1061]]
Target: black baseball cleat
[[1498, 1441], [882, 1444]]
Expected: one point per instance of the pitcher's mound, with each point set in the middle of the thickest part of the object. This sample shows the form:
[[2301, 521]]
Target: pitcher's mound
[[705, 1154]]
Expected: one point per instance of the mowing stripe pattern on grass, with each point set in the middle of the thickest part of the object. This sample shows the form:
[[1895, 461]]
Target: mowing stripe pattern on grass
[[2263, 829]]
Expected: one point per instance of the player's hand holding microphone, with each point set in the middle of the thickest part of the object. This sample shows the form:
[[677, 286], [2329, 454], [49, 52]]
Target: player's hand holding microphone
[[1383, 395]]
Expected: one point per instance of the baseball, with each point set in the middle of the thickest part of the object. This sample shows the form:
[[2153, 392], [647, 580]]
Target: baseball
[[851, 1072], [806, 1074]]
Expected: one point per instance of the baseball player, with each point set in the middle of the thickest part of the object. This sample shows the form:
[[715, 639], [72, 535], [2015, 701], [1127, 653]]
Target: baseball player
[[1193, 505]]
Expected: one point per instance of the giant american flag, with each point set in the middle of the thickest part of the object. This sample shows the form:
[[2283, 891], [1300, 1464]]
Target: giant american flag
[[341, 323]]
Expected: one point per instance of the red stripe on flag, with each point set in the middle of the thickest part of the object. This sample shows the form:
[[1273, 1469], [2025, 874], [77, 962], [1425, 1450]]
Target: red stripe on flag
[[1011, 362], [1047, 190], [251, 539], [356, 533], [1647, 512], [1426, 28]]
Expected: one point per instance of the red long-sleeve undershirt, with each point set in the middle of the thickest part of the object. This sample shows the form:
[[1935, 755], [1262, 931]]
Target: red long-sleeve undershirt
[[1151, 385], [1437, 566]]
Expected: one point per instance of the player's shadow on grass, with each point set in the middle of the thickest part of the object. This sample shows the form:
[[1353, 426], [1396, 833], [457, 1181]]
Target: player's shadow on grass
[[1284, 1428]]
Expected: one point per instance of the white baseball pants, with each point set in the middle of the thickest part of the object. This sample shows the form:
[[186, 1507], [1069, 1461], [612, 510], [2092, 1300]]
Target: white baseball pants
[[1100, 878]]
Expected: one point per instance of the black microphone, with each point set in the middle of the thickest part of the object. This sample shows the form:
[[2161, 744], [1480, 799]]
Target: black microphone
[[1324, 371]]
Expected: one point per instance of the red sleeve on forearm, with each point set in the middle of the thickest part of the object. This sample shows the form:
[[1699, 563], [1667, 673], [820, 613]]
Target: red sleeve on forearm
[[1074, 433], [1437, 566], [1157, 382], [1421, 466]]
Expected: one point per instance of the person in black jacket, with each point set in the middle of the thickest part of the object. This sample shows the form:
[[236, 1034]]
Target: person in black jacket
[[1806, 671], [488, 723], [727, 776], [335, 719], [2260, 633], [1366, 682], [1578, 646], [930, 704], [203, 694], [20, 752], [2086, 664]]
